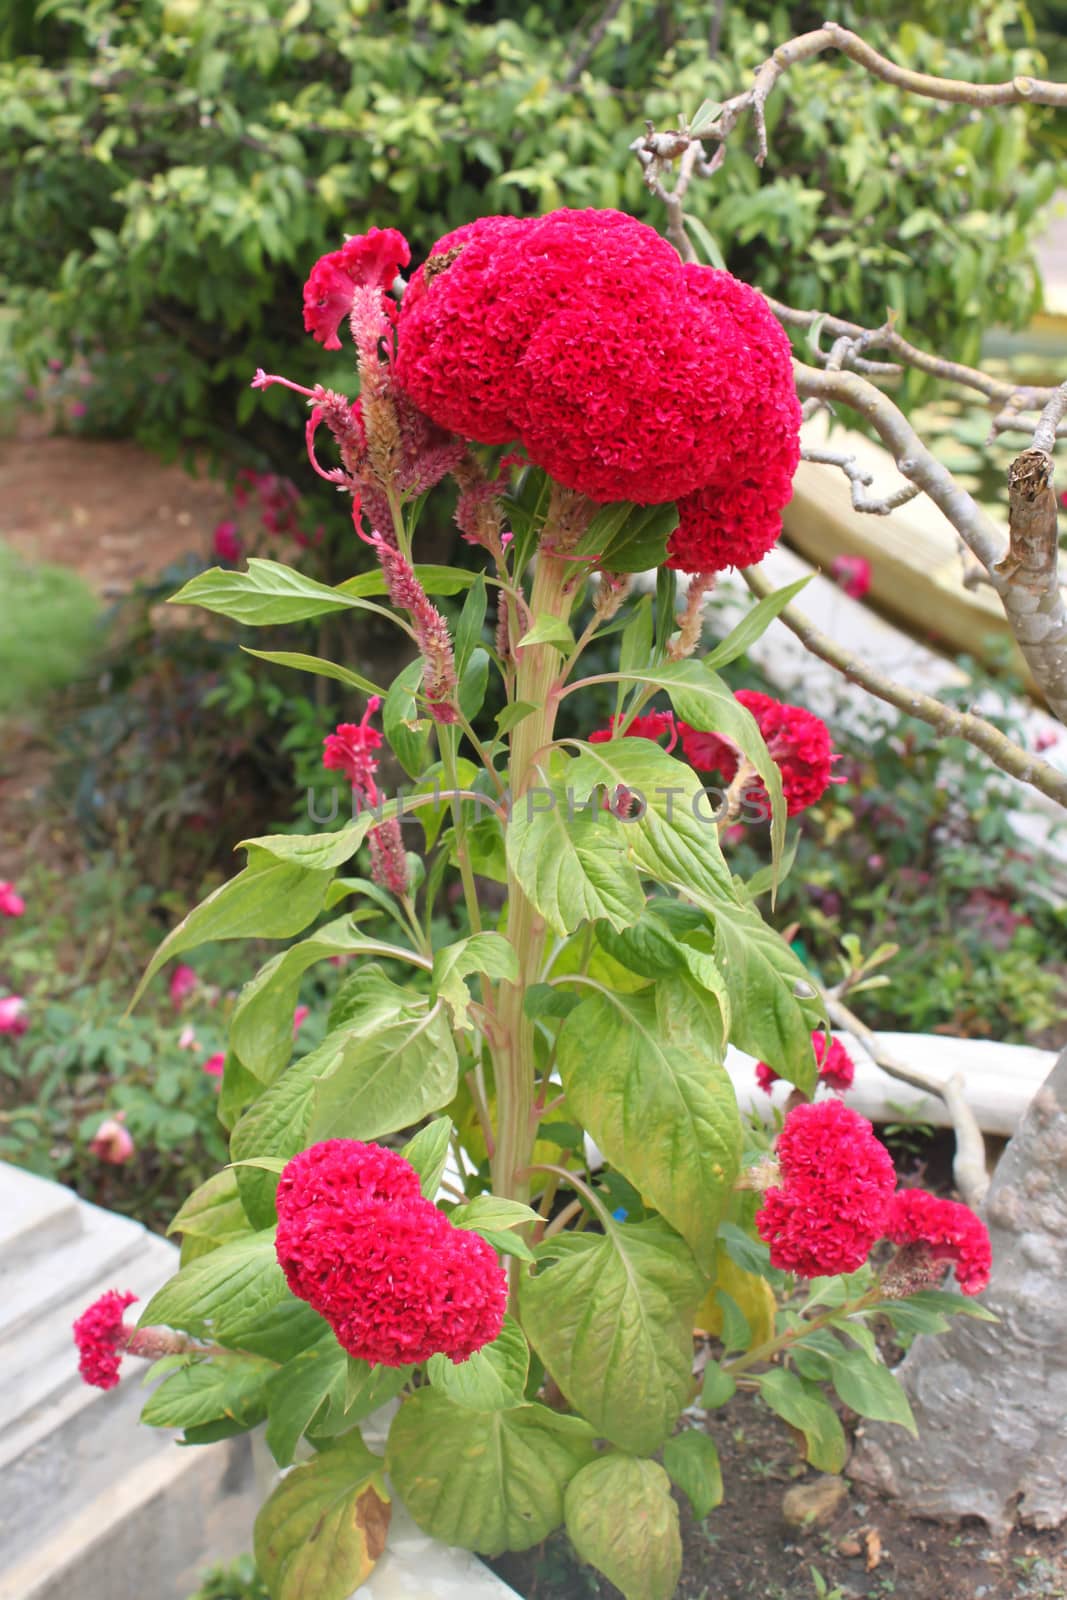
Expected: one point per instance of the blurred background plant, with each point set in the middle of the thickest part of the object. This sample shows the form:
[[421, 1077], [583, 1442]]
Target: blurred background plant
[[168, 171]]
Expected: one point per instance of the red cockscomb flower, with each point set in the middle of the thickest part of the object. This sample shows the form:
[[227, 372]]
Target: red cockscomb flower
[[940, 1230], [388, 1271], [13, 1015], [227, 544], [626, 375], [101, 1336], [798, 742], [837, 1186], [836, 1067], [370, 259]]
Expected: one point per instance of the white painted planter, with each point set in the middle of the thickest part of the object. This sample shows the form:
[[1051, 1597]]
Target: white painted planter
[[1000, 1080]]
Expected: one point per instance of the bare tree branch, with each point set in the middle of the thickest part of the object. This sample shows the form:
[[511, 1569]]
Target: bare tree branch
[[1010, 757], [969, 1166], [860, 480]]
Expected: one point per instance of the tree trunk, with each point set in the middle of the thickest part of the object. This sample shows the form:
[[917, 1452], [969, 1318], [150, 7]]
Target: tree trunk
[[990, 1399]]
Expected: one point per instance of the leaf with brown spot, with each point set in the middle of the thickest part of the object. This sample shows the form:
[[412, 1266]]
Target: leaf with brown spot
[[323, 1529]]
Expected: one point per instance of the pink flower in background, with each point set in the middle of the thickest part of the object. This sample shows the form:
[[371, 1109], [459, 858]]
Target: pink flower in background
[[78, 408], [300, 1016], [13, 1018], [112, 1142], [853, 574], [54, 364], [101, 1338], [183, 981], [11, 904], [214, 1065], [836, 1067], [187, 1039], [1046, 739], [227, 544]]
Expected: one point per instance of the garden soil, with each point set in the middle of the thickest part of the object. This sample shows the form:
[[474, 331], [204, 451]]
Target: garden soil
[[868, 1550]]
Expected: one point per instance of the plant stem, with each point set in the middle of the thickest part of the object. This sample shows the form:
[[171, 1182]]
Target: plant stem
[[782, 1341], [513, 1056]]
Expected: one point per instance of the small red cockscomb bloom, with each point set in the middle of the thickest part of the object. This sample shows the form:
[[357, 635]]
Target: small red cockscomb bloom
[[11, 903], [350, 749], [388, 1271], [933, 1230], [370, 260], [653, 725], [227, 544], [101, 1337], [798, 741], [836, 1190], [836, 1067]]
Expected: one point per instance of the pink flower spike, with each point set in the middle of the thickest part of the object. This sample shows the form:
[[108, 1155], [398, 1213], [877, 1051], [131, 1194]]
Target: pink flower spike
[[101, 1337], [112, 1142], [11, 904], [264, 380], [13, 1018], [213, 1065], [300, 1016], [182, 983]]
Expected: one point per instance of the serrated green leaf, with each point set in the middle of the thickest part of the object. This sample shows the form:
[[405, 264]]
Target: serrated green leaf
[[805, 1407], [492, 1379], [323, 1529], [486, 954], [297, 1391], [387, 1077], [221, 1295], [548, 629], [622, 1519], [231, 1387], [571, 863], [693, 1463], [428, 1154]]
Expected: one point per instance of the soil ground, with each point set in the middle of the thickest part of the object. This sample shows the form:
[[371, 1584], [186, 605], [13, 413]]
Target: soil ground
[[746, 1550]]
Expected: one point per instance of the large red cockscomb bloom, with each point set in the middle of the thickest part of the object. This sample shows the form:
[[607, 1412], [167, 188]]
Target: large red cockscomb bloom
[[798, 741], [942, 1231], [837, 1186], [388, 1271], [730, 525], [101, 1336], [625, 375], [371, 260], [836, 1067], [653, 725]]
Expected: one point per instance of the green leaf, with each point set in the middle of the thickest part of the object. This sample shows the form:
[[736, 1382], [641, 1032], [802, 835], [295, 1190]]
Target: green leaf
[[754, 623], [317, 665], [804, 1406], [472, 685], [368, 1388], [547, 629], [214, 1211], [471, 620], [492, 1379], [297, 1391], [434, 580], [706, 702], [405, 728], [611, 1317], [768, 1019], [233, 1387], [628, 538], [261, 1031], [719, 1387], [491, 1211], [323, 1529], [664, 1114], [270, 899], [870, 1389], [622, 1520], [486, 954], [635, 647], [266, 594], [318, 852], [674, 838], [571, 862], [693, 1463], [389, 1077], [705, 240], [428, 1154], [223, 1294], [485, 1480], [514, 713]]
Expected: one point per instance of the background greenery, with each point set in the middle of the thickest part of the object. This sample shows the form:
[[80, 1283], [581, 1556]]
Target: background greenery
[[169, 170]]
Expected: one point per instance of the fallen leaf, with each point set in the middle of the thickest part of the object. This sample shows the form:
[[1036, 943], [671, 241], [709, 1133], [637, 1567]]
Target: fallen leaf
[[873, 1540]]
